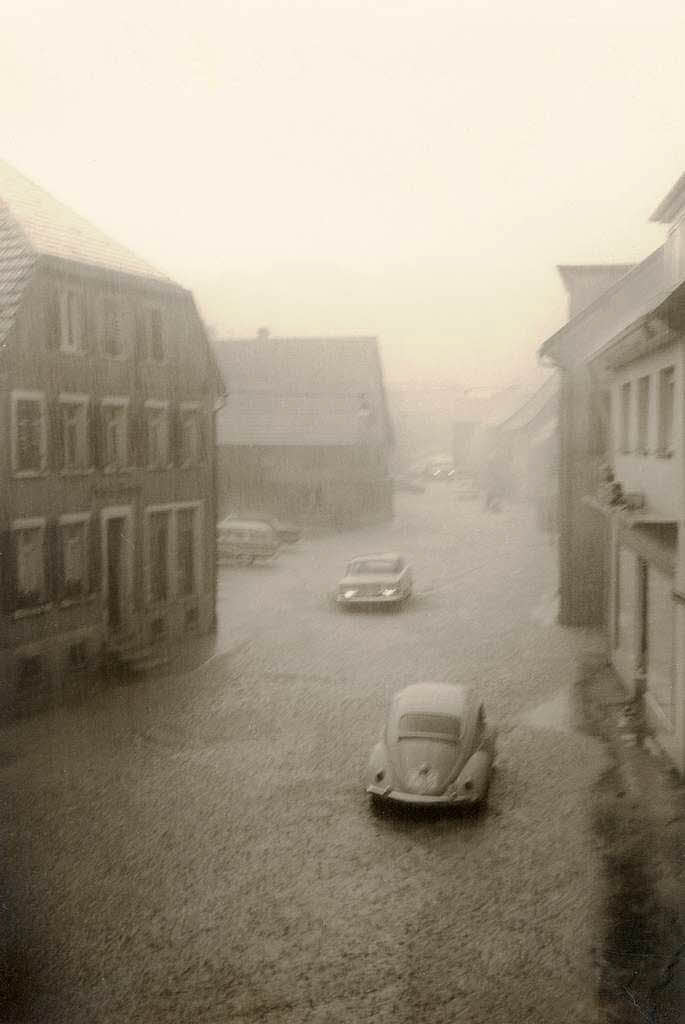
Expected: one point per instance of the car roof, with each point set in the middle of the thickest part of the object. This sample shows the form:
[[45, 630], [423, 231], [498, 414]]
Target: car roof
[[384, 555], [440, 698], [252, 524]]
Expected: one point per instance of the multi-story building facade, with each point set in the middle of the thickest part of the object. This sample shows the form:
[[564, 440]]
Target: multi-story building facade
[[108, 393], [622, 474]]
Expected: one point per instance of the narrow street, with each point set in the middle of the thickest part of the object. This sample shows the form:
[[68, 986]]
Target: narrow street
[[198, 848]]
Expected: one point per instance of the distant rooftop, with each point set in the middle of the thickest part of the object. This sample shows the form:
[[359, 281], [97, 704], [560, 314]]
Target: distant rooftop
[[302, 391]]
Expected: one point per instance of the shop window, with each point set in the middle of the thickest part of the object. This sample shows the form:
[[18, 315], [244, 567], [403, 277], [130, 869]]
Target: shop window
[[627, 607], [159, 556], [185, 550], [29, 432], [666, 409], [30, 565], [659, 645]]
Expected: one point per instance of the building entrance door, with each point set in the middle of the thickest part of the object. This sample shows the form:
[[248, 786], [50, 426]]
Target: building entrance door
[[114, 565]]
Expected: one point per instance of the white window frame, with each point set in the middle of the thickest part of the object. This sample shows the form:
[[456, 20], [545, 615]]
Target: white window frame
[[116, 402], [153, 405], [193, 408], [34, 523], [30, 396], [83, 401], [173, 590], [72, 328], [75, 519]]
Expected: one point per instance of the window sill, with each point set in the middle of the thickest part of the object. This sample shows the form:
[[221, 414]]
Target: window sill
[[113, 470], [27, 613], [86, 471], [69, 602], [71, 352], [29, 474]]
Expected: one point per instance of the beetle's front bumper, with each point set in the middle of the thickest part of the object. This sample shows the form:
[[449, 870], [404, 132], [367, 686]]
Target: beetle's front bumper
[[444, 799]]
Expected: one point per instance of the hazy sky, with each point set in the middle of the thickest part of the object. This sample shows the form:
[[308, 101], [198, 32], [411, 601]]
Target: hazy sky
[[410, 169]]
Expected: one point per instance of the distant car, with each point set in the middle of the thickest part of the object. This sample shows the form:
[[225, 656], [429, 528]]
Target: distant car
[[287, 532], [466, 488], [436, 748], [408, 484], [440, 470], [246, 540], [375, 579]]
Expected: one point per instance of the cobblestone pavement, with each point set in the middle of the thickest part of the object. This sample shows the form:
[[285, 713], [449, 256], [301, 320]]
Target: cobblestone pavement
[[198, 848]]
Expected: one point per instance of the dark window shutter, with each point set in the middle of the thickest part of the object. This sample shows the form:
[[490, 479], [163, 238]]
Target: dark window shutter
[[94, 434], [94, 554], [54, 562], [141, 336], [204, 431], [8, 571], [175, 435], [89, 325], [137, 434], [56, 436], [53, 322]]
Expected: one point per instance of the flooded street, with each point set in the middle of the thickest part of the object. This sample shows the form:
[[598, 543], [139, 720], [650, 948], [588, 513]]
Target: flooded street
[[199, 847]]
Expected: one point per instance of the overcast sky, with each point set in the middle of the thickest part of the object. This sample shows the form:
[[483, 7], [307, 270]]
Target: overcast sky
[[410, 169]]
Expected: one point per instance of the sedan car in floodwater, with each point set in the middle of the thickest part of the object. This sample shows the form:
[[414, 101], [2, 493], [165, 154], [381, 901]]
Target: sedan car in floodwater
[[436, 748], [375, 579]]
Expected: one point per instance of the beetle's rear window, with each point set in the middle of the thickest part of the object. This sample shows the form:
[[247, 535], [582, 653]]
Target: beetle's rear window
[[422, 724]]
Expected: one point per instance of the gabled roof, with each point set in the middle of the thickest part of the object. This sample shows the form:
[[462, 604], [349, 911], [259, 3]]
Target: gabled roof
[[33, 225], [52, 229], [638, 292], [672, 205], [302, 392], [543, 399]]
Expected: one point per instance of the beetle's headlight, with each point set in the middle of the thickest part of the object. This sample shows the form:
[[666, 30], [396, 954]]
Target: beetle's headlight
[[380, 775]]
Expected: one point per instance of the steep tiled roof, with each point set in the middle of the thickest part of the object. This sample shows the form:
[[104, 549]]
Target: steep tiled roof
[[34, 224], [302, 392], [52, 229], [16, 264]]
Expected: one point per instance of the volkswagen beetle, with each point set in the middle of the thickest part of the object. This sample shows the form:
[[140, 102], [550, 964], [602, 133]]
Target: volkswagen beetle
[[436, 748]]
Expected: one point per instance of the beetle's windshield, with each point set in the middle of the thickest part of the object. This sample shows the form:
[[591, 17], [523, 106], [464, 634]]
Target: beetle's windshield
[[444, 727], [375, 567]]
